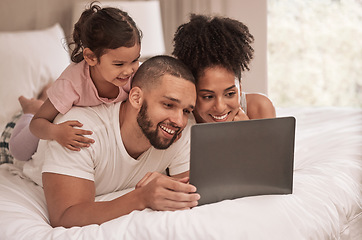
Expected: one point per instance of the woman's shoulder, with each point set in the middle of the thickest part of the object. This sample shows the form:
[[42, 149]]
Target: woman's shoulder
[[259, 106]]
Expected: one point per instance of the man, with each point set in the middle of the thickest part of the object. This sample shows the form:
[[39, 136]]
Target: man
[[134, 143]]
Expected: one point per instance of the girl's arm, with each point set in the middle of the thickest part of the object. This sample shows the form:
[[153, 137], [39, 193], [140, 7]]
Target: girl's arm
[[64, 133]]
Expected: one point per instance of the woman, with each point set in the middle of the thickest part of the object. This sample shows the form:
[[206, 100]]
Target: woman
[[218, 50]]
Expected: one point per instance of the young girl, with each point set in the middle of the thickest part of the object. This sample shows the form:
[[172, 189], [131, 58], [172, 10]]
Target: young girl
[[22, 143], [217, 50], [106, 53]]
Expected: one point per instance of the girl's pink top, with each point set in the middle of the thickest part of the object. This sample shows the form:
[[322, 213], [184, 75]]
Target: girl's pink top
[[75, 87]]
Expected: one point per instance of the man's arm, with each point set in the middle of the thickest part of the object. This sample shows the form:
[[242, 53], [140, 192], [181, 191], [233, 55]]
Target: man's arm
[[71, 200], [182, 175]]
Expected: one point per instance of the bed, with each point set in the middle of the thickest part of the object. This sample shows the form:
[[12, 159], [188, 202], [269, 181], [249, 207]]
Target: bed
[[325, 204], [327, 190]]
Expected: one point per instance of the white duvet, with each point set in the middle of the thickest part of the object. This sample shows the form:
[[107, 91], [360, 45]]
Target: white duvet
[[325, 204]]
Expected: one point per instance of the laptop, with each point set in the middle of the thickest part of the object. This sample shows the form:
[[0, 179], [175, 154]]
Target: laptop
[[243, 158]]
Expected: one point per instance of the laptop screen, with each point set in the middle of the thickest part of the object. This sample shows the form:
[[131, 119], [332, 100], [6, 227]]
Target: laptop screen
[[244, 158]]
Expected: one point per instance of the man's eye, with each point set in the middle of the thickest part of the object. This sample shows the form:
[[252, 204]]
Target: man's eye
[[187, 112], [118, 64], [167, 105]]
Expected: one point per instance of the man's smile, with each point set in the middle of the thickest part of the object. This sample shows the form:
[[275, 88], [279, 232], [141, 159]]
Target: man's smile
[[169, 130]]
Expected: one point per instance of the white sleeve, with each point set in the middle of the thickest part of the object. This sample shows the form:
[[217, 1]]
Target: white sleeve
[[61, 160]]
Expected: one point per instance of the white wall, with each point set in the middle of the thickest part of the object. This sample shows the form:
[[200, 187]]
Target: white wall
[[254, 15]]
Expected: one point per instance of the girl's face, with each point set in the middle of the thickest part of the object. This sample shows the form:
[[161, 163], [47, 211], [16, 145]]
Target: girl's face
[[116, 66], [217, 96]]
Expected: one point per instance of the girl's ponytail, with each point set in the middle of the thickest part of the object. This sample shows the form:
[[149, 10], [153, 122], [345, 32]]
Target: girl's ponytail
[[77, 53], [103, 28]]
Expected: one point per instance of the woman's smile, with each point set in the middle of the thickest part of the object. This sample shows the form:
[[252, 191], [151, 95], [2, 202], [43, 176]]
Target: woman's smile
[[220, 117]]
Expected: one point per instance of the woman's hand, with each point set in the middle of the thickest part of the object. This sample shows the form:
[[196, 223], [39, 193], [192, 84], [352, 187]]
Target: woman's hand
[[240, 115]]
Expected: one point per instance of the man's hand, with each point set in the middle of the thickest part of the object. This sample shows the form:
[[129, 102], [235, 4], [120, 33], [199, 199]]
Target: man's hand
[[153, 175], [70, 137], [164, 193]]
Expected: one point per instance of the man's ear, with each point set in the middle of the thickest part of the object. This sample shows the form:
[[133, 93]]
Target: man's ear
[[136, 96], [90, 57]]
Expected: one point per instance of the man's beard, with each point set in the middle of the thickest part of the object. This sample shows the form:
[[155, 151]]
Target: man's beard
[[145, 124]]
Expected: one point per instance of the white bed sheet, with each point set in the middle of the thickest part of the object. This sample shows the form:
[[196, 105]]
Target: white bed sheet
[[325, 204]]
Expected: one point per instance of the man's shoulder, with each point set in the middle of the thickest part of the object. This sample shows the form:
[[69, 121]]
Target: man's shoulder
[[93, 114]]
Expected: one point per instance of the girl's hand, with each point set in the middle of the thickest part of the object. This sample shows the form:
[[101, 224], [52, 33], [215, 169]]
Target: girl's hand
[[240, 115], [70, 137]]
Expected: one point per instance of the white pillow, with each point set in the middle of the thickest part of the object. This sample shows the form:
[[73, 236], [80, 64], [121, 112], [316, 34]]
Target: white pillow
[[29, 60]]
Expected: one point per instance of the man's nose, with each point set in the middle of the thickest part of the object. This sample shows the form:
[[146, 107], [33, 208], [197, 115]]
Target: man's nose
[[177, 118]]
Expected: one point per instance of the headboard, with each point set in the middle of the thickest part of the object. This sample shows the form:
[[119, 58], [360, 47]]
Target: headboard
[[39, 14]]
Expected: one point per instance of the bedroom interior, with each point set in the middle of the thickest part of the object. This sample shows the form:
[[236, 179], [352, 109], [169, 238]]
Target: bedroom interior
[[327, 193]]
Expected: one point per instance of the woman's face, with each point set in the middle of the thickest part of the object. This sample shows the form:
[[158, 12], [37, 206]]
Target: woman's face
[[217, 96]]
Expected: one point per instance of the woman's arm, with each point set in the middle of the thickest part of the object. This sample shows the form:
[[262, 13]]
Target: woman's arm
[[64, 133], [259, 106]]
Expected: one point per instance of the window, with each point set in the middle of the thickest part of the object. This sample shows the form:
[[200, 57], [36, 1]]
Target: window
[[315, 52]]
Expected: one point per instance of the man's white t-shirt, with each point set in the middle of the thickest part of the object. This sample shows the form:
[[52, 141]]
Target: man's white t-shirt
[[106, 162]]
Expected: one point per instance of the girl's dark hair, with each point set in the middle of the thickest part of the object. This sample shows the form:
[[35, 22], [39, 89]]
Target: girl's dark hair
[[103, 28], [207, 42]]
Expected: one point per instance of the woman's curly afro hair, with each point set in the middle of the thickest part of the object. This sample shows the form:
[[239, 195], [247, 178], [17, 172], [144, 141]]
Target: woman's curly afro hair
[[213, 41]]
